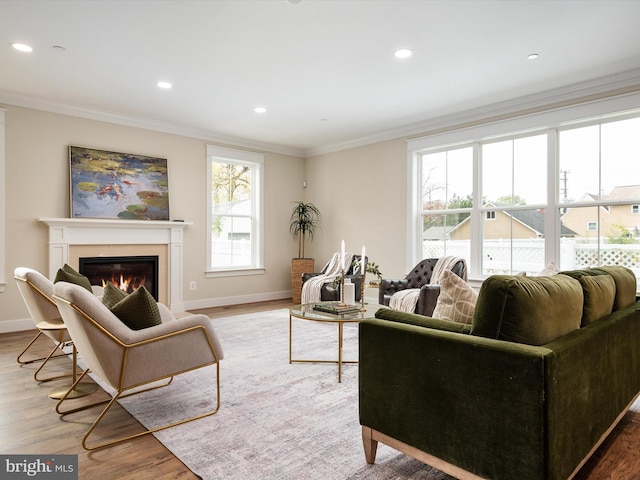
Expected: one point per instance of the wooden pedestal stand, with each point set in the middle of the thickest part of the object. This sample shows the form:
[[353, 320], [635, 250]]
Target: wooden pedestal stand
[[298, 267]]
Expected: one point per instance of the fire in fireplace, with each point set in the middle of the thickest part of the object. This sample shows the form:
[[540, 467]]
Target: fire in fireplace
[[125, 272]]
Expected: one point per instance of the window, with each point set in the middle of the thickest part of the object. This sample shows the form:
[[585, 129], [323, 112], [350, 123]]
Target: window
[[561, 192], [446, 191], [235, 206]]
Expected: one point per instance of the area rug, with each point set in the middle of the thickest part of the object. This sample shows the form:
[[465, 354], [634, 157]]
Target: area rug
[[277, 420]]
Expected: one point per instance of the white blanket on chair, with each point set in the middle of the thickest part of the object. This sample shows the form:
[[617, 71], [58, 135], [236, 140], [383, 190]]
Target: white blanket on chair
[[406, 300], [311, 289]]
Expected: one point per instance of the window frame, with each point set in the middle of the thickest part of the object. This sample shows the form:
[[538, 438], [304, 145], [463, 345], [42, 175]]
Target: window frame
[[549, 122], [256, 161]]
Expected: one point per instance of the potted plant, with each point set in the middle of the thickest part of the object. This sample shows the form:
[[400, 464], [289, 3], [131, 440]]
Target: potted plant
[[304, 223]]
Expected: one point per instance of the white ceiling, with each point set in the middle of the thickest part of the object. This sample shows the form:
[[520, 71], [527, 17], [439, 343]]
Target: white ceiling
[[324, 69]]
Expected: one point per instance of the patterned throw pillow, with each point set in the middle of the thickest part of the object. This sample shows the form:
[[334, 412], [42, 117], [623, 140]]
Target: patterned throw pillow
[[112, 295], [138, 310], [457, 300], [68, 274]]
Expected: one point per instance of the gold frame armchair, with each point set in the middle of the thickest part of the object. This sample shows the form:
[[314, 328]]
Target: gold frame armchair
[[36, 291], [127, 360]]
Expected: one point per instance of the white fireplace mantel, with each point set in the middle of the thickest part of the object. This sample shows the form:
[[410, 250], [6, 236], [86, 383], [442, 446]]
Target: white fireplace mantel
[[64, 232]]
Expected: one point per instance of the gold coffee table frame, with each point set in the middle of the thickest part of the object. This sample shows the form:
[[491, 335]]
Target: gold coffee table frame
[[306, 312]]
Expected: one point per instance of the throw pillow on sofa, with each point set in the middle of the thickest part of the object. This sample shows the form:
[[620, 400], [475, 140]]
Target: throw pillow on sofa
[[69, 275], [112, 295], [138, 310], [457, 300]]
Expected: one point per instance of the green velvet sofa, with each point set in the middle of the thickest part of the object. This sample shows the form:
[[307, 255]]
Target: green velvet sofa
[[529, 390]]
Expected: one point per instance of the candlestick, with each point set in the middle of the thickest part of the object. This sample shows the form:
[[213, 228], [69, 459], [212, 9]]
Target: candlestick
[[341, 304], [364, 262]]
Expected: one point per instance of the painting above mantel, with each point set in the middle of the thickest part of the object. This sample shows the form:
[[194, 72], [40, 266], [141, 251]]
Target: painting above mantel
[[107, 184]]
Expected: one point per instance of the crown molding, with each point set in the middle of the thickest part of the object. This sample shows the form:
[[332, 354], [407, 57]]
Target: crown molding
[[11, 98], [582, 92]]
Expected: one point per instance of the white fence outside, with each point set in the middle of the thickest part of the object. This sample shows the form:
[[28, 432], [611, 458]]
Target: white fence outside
[[505, 257]]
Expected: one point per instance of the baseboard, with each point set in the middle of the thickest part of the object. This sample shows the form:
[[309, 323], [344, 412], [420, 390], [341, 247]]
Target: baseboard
[[236, 300], [9, 326]]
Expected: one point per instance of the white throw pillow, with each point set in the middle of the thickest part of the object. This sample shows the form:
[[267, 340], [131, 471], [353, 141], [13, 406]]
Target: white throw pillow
[[549, 270], [457, 300]]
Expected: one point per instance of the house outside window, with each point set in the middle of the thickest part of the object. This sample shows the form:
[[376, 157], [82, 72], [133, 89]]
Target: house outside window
[[446, 193], [556, 193], [235, 210]]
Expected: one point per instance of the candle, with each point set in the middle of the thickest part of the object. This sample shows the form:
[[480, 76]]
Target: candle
[[342, 255], [364, 263]]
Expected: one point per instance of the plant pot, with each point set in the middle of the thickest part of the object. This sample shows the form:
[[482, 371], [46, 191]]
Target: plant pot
[[298, 267]]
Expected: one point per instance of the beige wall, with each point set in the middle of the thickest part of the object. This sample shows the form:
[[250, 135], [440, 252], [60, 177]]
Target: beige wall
[[37, 185], [362, 196]]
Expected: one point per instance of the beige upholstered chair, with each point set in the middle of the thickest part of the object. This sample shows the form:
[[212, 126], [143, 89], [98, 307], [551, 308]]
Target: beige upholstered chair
[[125, 359], [37, 291]]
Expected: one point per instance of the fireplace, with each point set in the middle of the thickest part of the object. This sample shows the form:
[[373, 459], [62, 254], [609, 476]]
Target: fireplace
[[125, 272], [73, 238]]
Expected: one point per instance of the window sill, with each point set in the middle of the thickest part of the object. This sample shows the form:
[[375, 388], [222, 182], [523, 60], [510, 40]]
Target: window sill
[[238, 272]]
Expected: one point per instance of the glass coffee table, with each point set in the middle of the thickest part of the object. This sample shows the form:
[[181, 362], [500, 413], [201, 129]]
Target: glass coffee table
[[306, 312]]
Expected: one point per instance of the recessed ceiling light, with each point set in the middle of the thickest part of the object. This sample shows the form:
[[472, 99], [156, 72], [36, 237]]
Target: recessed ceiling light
[[21, 47], [403, 53], [532, 56], [165, 85], [260, 110]]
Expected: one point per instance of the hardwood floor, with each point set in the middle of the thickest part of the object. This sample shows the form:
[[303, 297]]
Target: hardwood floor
[[29, 424]]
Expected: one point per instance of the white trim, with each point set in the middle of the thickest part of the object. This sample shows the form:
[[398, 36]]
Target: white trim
[[577, 93], [552, 226], [236, 300], [535, 122], [414, 227], [3, 176], [11, 98], [256, 162], [20, 325]]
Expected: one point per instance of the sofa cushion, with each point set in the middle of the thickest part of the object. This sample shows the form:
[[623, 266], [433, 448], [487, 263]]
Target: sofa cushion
[[112, 295], [626, 286], [530, 310], [138, 310], [457, 300], [69, 275], [599, 292]]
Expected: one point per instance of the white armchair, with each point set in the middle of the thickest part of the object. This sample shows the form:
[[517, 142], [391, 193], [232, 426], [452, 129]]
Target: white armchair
[[37, 291], [126, 358]]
